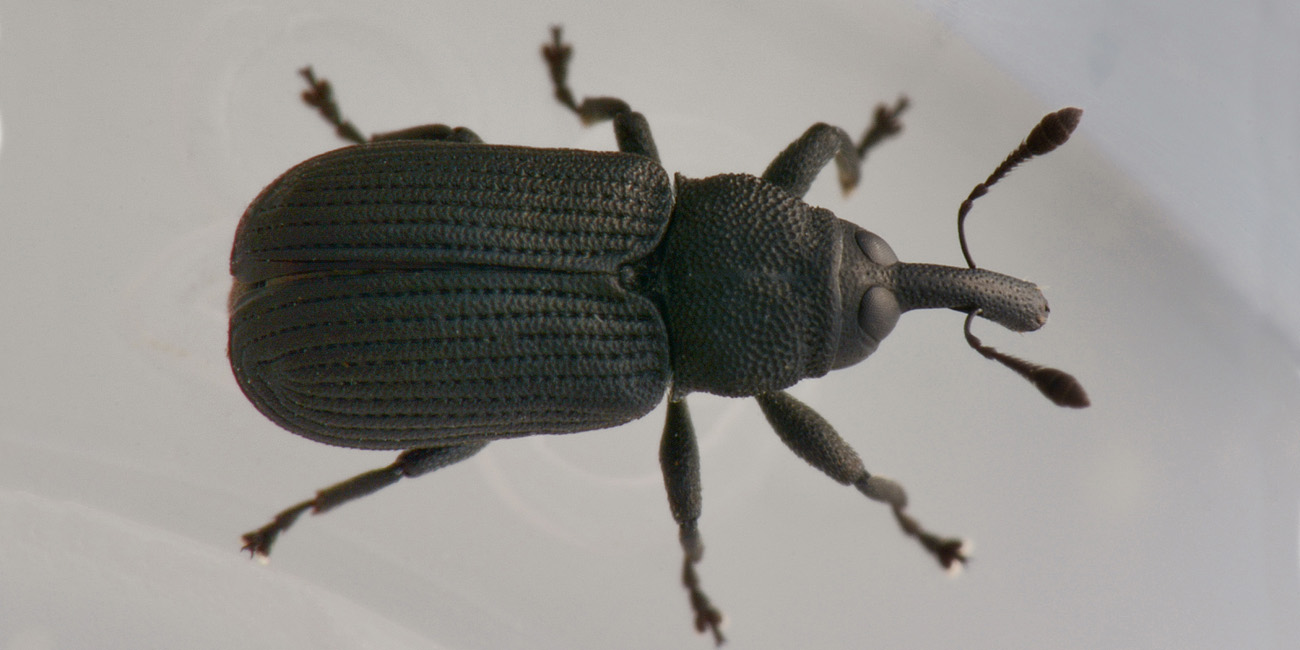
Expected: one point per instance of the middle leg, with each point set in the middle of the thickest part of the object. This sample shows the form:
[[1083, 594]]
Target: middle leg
[[630, 127], [679, 457]]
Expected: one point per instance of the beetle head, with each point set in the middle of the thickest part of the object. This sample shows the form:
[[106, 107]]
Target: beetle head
[[875, 288]]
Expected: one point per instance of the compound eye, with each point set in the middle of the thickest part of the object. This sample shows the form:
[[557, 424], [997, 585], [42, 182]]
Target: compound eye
[[878, 313], [876, 249]]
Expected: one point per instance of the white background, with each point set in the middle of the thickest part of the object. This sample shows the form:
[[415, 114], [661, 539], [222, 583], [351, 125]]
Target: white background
[[1197, 102], [1165, 516]]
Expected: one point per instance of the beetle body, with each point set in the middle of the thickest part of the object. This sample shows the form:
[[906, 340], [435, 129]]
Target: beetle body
[[426, 292], [409, 293]]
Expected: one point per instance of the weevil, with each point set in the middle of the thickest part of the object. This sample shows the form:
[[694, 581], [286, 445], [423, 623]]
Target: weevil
[[426, 292]]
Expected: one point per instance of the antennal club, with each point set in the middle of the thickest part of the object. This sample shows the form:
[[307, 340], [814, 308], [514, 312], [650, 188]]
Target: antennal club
[[1059, 386], [1052, 131]]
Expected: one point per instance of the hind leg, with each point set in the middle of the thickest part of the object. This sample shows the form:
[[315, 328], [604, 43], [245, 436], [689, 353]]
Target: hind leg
[[320, 96], [409, 464]]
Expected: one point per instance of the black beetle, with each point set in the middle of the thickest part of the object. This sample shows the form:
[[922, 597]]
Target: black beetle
[[427, 292]]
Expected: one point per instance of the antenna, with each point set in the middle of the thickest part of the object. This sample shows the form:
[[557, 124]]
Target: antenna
[[1051, 132], [1059, 386]]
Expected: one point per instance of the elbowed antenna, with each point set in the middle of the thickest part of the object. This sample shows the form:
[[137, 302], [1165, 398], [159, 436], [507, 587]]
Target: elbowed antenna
[[1059, 386], [1051, 132], [1010, 302]]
